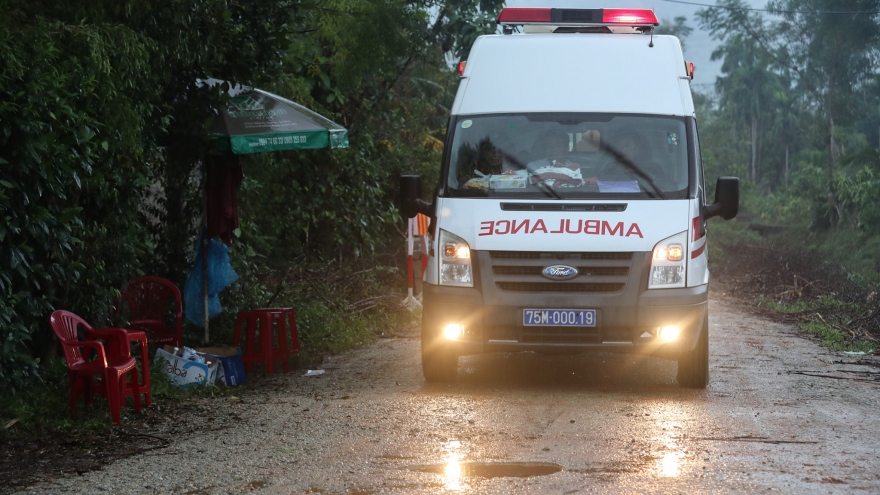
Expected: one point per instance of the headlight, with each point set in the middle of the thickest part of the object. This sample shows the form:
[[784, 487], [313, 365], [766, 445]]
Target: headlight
[[455, 261], [668, 262], [453, 331], [669, 333]]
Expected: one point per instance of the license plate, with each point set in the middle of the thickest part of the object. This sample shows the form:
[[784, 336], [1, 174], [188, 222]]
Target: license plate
[[559, 317]]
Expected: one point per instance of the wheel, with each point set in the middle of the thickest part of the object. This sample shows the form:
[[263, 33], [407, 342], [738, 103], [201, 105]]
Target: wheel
[[439, 360], [693, 366]]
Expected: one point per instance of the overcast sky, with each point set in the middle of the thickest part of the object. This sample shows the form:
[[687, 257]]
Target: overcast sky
[[698, 46]]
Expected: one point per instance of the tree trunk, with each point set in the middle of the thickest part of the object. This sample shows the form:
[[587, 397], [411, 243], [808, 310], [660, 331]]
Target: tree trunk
[[758, 146], [754, 139], [832, 200], [785, 169]]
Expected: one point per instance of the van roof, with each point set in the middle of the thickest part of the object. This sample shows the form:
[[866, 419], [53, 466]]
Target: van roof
[[607, 73]]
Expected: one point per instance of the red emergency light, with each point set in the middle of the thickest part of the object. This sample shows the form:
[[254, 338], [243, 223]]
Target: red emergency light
[[631, 17], [461, 66], [513, 15], [577, 17], [689, 66]]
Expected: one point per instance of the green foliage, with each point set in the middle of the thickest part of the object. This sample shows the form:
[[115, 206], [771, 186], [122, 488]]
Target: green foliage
[[859, 190], [103, 132], [457, 24], [678, 28], [832, 337], [325, 204], [730, 233], [44, 404], [831, 331], [71, 126], [85, 96], [803, 81]]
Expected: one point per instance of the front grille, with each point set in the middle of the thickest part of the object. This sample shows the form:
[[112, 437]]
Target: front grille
[[587, 271], [558, 287], [522, 271]]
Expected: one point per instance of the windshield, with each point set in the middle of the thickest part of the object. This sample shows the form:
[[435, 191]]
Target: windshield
[[567, 155]]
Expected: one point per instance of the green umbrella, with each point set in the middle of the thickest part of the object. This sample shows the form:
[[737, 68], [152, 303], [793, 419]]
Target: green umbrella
[[255, 121]]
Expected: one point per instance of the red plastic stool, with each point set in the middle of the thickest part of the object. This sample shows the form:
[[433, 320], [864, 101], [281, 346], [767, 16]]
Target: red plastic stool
[[289, 318], [268, 323]]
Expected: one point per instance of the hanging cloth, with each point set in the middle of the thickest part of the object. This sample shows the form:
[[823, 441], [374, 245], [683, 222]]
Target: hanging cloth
[[223, 178]]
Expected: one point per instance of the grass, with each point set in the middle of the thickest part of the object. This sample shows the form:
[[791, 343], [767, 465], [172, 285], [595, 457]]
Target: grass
[[843, 263], [822, 304], [826, 318], [43, 406], [832, 337]]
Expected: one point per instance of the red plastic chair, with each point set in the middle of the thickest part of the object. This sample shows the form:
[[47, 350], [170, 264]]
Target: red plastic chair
[[148, 299], [112, 363]]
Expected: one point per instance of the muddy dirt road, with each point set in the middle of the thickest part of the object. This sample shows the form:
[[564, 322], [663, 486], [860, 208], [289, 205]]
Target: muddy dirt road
[[780, 414]]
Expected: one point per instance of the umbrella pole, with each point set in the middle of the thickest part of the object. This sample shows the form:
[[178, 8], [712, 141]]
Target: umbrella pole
[[205, 282], [205, 250]]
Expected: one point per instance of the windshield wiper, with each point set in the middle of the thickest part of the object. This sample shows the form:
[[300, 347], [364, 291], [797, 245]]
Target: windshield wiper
[[626, 162]]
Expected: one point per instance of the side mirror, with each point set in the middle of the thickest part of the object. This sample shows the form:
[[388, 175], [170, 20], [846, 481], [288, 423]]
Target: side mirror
[[410, 192], [726, 203]]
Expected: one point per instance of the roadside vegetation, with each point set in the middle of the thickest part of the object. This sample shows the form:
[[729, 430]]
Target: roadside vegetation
[[102, 137], [804, 277], [796, 115]]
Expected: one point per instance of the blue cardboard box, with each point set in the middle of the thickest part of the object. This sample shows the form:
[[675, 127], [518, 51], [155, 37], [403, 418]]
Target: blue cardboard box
[[231, 369]]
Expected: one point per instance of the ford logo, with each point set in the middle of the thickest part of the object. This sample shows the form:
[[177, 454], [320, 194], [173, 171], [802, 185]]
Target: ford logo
[[559, 272]]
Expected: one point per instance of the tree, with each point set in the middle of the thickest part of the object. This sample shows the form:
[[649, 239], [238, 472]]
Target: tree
[[678, 28], [748, 84], [831, 49], [747, 88], [90, 95], [785, 123], [104, 132]]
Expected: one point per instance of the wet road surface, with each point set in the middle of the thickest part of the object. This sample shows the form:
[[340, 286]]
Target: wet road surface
[[781, 414]]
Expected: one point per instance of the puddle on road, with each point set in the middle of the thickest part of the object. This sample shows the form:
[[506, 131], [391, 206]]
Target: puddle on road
[[490, 469]]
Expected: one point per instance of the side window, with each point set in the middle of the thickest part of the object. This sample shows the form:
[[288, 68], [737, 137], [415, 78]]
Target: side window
[[698, 156], [701, 188]]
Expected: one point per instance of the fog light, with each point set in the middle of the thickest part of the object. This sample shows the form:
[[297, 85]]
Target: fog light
[[453, 331], [668, 334]]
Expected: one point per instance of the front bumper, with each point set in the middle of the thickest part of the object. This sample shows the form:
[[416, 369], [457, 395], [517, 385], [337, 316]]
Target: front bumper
[[624, 323]]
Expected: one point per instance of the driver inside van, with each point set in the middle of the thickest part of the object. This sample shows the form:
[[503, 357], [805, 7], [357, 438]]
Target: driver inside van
[[626, 151]]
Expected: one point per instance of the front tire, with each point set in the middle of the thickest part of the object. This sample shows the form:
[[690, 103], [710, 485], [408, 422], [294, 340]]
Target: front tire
[[693, 366], [439, 359]]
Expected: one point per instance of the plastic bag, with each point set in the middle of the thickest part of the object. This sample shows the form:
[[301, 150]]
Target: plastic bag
[[220, 275]]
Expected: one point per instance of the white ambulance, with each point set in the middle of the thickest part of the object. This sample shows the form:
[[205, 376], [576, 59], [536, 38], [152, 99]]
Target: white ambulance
[[571, 211]]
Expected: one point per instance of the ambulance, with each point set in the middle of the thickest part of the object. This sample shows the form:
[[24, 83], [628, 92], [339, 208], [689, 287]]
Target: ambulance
[[570, 215]]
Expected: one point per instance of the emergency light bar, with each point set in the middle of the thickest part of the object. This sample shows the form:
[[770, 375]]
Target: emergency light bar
[[577, 17]]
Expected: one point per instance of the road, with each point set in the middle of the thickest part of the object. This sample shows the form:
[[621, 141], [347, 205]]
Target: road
[[781, 414]]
